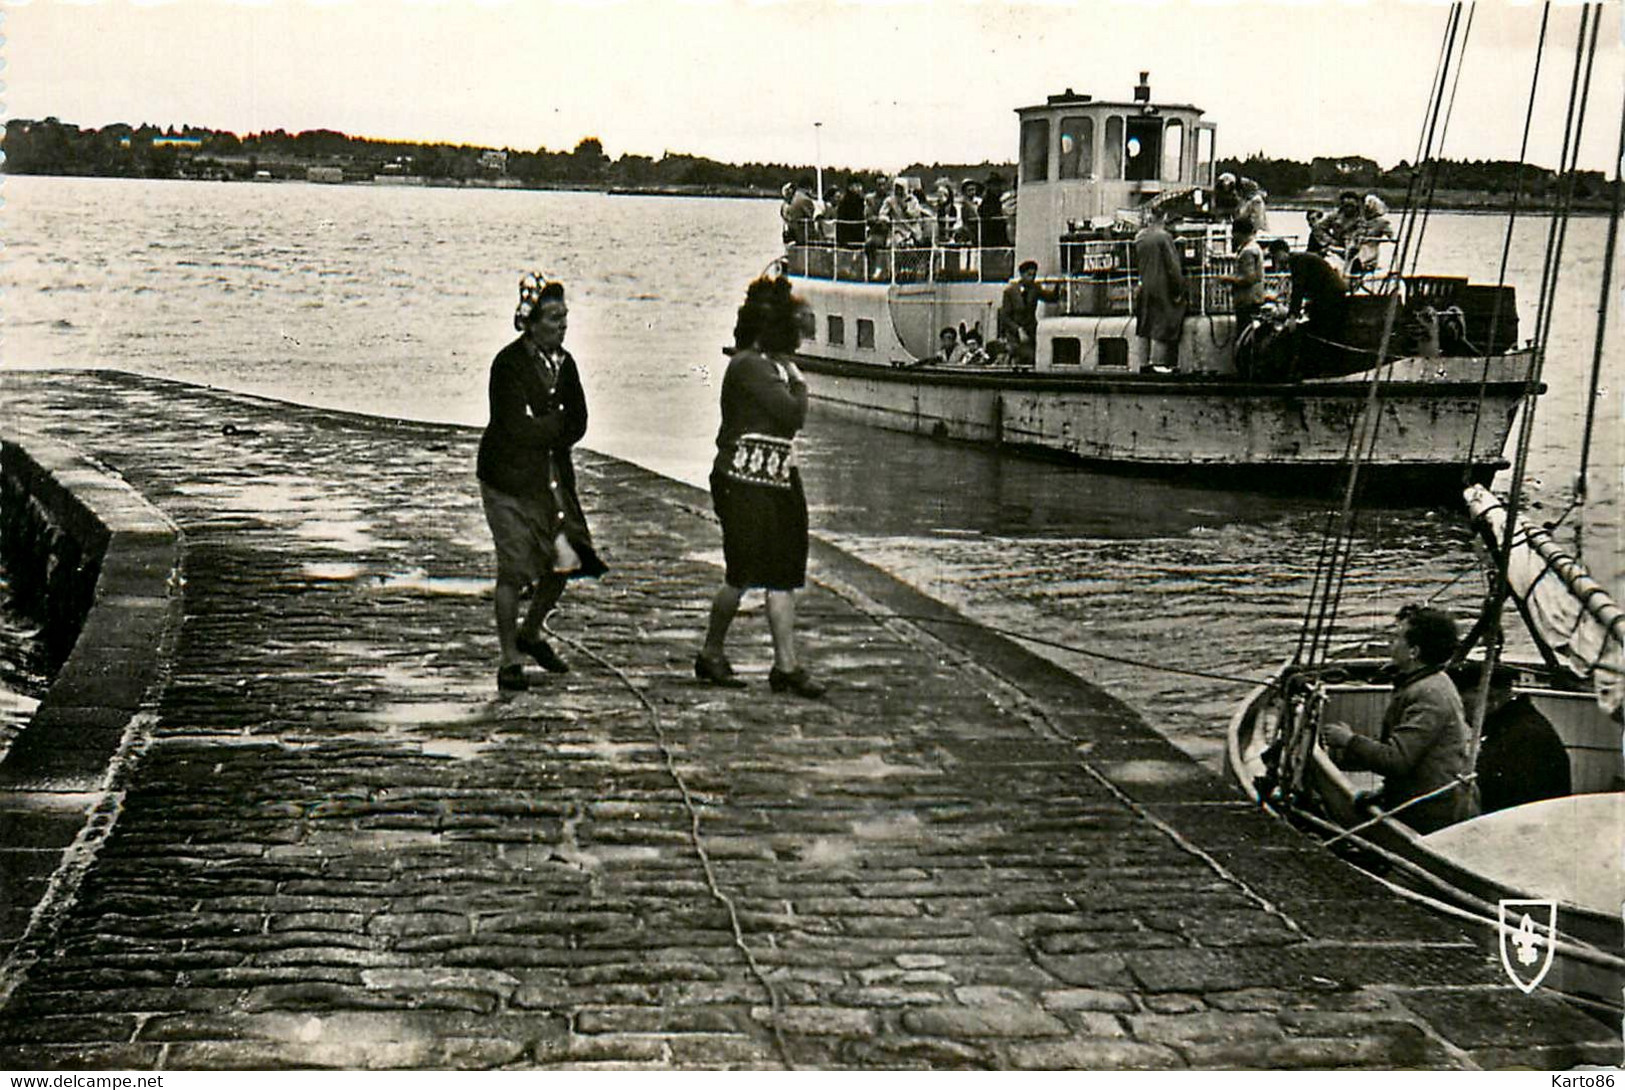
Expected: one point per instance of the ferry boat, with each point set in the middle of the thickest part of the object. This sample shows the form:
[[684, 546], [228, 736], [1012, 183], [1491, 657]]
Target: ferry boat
[[1088, 390]]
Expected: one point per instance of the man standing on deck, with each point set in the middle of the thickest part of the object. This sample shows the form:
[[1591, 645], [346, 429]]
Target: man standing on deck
[[1319, 307], [1247, 285], [1160, 308], [1423, 744], [1018, 313]]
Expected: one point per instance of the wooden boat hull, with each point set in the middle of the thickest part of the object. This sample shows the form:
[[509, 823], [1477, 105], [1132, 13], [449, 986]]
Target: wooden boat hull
[[1588, 961], [1206, 429]]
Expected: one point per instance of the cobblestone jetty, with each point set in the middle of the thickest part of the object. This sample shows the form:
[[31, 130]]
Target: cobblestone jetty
[[341, 848]]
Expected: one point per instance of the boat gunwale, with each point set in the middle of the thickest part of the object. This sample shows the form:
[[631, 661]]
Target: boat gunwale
[[1395, 835], [1192, 385]]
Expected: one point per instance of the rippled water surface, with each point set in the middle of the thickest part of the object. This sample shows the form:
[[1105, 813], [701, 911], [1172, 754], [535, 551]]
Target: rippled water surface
[[393, 301]]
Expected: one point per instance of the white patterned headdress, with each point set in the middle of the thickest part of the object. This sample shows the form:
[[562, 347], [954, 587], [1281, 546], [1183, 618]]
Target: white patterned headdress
[[531, 288]]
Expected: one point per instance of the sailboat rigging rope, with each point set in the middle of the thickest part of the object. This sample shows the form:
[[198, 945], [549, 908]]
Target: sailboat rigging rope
[[1555, 239], [1602, 313], [1434, 171], [1512, 220], [1332, 567]]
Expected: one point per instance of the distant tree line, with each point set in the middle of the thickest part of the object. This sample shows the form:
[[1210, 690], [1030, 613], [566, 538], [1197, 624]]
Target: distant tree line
[[1290, 178], [52, 146]]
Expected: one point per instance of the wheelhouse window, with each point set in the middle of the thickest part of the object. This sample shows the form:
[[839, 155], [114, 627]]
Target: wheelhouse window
[[836, 331], [1142, 149], [866, 333], [1035, 150], [1077, 147], [1173, 151], [1066, 352], [1204, 155], [1114, 148]]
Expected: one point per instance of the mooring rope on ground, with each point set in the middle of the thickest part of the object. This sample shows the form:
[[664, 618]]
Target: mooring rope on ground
[[696, 840]]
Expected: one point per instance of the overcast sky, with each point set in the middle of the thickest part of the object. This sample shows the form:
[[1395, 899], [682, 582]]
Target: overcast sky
[[891, 82]]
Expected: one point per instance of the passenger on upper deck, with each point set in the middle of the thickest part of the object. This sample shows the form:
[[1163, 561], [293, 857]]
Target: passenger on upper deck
[[849, 215], [799, 212], [967, 216], [788, 193], [995, 230], [1018, 313], [902, 210], [1366, 244], [826, 214], [1226, 198], [1252, 205], [1160, 313], [1333, 230]]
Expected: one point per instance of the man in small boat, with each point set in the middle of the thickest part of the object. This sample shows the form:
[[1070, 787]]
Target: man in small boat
[[1520, 757], [1018, 312], [1160, 313], [1422, 747]]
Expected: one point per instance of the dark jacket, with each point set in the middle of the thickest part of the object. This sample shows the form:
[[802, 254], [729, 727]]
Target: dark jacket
[[758, 397], [1520, 757], [1423, 746], [531, 419]]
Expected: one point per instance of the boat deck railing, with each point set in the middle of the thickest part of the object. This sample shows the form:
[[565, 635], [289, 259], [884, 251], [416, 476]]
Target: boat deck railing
[[905, 263], [1100, 278]]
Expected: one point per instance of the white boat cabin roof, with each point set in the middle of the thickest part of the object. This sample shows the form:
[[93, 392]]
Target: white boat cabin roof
[[1082, 159]]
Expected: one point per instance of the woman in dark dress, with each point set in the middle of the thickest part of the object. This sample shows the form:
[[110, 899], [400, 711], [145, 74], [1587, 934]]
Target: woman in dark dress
[[527, 482], [756, 488]]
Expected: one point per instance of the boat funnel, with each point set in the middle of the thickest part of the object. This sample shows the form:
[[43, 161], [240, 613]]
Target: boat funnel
[[1142, 91]]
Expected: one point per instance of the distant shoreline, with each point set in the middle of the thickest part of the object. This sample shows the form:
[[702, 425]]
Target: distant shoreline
[[1465, 201]]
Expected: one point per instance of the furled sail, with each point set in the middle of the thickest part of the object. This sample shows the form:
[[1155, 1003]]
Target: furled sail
[[1571, 613]]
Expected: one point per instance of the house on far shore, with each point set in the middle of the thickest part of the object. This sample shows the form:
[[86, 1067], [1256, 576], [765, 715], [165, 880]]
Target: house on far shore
[[329, 175]]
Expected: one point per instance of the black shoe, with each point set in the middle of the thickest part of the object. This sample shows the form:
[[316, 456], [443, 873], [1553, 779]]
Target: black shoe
[[511, 679], [796, 681], [716, 671], [542, 651]]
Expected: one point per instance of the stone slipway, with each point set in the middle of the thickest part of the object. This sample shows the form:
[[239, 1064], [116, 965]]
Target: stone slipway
[[340, 849]]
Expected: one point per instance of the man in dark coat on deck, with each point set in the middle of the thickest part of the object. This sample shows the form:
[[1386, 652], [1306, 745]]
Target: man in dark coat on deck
[[1160, 307]]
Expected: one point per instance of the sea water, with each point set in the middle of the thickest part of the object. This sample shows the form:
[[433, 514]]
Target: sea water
[[394, 300]]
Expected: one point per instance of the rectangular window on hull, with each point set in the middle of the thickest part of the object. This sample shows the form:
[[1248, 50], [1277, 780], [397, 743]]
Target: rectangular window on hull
[[837, 330], [1065, 352], [866, 333], [1114, 352]]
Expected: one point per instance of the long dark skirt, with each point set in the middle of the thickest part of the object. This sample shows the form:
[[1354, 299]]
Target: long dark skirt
[[764, 532]]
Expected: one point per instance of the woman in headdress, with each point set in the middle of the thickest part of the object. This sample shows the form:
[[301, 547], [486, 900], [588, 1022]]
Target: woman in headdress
[[527, 481], [756, 488]]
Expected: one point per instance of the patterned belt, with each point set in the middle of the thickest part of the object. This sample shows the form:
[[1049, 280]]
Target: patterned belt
[[762, 459]]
